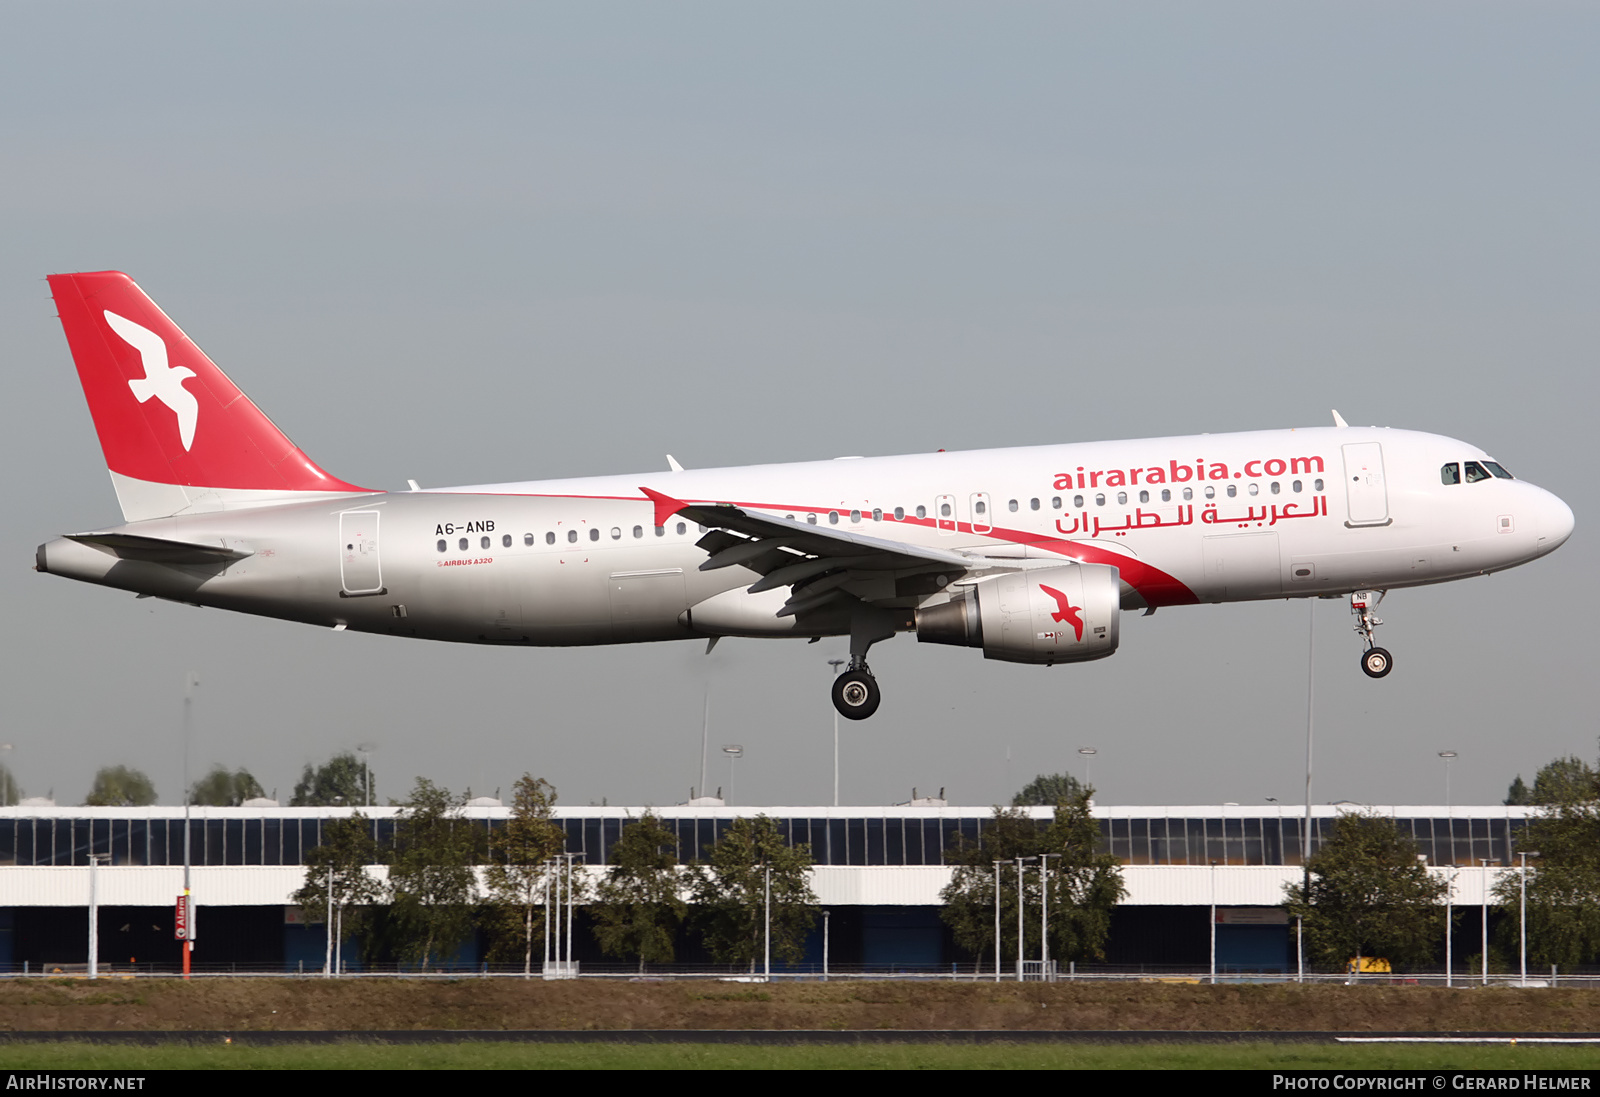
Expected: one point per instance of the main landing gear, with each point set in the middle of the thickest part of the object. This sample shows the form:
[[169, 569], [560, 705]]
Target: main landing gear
[[855, 692], [1376, 662]]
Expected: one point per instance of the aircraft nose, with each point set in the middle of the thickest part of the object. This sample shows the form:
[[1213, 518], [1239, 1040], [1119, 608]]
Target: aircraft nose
[[1555, 522]]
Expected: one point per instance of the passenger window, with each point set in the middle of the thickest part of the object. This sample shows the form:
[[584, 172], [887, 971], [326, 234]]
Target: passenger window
[[877, 514], [1166, 495], [1188, 493], [1055, 502], [550, 538], [572, 536], [616, 533], [682, 528], [1033, 504], [1211, 492], [1012, 506], [527, 538], [1122, 497], [1450, 474], [1233, 490], [1144, 497], [833, 518], [661, 531], [899, 514], [463, 544], [443, 545], [811, 519], [1276, 487], [980, 507], [1317, 484], [505, 541], [594, 533], [638, 531], [1296, 487], [1255, 489], [922, 512], [1099, 500], [855, 516], [1476, 472], [1077, 501], [944, 510], [483, 542]]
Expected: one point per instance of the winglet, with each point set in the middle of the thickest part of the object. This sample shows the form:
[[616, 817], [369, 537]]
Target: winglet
[[666, 505], [1338, 420], [672, 463]]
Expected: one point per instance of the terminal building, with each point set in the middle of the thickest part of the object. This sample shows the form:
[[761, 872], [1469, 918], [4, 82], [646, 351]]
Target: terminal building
[[878, 874]]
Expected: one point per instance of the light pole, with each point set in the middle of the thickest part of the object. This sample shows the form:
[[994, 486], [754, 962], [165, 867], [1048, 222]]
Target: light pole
[[1484, 955], [1020, 905], [836, 664], [7, 779], [1447, 755], [191, 683], [1522, 916], [732, 750], [366, 749], [997, 921], [766, 928], [1088, 761], [1044, 913], [1213, 923], [1449, 902], [95, 861]]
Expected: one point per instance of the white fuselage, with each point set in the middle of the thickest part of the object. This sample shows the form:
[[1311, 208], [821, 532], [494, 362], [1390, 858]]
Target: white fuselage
[[1209, 518]]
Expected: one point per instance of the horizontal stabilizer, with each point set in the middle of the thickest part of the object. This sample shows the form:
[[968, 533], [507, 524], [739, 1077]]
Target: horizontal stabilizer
[[157, 550]]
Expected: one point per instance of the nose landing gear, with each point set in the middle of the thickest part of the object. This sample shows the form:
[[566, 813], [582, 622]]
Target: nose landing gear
[[1376, 662]]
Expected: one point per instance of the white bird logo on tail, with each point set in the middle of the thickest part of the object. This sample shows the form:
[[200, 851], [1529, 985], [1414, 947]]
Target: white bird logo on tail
[[160, 380]]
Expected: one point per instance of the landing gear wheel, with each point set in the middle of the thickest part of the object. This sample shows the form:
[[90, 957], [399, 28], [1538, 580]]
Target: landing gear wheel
[[1377, 662], [856, 694]]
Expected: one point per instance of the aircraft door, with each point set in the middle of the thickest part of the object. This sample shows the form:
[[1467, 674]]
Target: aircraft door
[[360, 571], [1365, 490]]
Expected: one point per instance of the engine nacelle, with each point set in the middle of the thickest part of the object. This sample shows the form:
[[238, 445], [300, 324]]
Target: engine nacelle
[[1051, 615]]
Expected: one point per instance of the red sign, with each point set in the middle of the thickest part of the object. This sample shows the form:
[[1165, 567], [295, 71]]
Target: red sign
[[181, 918]]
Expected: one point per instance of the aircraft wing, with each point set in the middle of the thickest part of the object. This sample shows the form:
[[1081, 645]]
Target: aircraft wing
[[822, 563]]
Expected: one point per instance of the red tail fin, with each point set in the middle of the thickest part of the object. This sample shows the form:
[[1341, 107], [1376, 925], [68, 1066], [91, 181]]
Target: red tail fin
[[169, 420]]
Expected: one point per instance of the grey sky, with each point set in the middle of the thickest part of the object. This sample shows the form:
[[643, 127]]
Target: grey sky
[[469, 243]]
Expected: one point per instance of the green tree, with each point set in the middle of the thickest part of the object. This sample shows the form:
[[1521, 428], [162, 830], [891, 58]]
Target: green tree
[[519, 865], [219, 788], [1519, 793], [728, 894], [638, 908], [1368, 895], [341, 781], [120, 786], [433, 879], [1084, 884], [1563, 884], [10, 792], [1048, 790], [337, 871], [1565, 780]]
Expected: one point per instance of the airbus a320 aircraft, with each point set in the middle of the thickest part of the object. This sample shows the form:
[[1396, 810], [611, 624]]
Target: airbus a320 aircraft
[[1029, 554]]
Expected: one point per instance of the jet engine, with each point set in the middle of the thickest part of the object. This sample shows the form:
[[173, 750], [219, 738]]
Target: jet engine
[[1050, 615]]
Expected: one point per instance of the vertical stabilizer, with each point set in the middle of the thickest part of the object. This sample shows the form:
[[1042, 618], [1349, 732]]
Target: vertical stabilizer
[[178, 436]]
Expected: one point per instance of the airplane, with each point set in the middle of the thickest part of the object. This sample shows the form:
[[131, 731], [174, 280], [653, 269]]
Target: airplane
[[1029, 554]]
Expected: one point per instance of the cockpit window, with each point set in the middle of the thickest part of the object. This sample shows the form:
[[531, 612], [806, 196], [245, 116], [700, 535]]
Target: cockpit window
[[1451, 473], [1476, 472], [1498, 470]]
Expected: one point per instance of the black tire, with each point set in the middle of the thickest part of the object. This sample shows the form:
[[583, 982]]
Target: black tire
[[1377, 662], [856, 694]]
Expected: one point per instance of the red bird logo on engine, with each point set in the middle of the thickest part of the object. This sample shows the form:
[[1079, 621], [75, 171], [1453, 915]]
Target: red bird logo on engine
[[1065, 611]]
